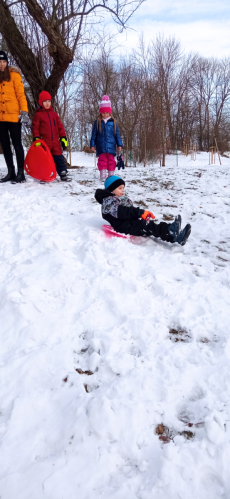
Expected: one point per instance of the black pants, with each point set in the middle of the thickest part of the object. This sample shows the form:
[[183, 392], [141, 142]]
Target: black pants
[[14, 129], [120, 166], [146, 229], [60, 163]]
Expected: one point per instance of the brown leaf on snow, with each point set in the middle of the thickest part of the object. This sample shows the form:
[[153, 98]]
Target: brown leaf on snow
[[79, 371], [160, 429]]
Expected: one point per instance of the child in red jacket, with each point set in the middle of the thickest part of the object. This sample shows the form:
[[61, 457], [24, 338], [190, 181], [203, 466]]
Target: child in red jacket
[[47, 125]]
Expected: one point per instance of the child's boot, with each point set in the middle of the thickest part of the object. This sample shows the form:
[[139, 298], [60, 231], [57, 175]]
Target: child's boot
[[110, 173], [63, 176], [103, 175], [184, 235], [174, 228]]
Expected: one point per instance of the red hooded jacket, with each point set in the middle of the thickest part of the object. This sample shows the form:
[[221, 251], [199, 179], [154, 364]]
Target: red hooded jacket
[[47, 125]]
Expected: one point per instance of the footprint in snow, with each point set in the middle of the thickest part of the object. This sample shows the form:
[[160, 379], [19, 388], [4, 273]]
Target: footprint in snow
[[179, 334], [167, 435]]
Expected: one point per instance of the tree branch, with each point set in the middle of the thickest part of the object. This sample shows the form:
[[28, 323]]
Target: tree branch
[[37, 13], [20, 50], [70, 16], [79, 27]]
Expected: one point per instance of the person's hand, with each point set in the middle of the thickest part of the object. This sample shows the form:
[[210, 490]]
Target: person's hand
[[147, 214], [119, 149], [24, 118], [38, 143], [93, 149], [64, 143]]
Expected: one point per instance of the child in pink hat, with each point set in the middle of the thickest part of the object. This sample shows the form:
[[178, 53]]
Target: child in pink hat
[[105, 139]]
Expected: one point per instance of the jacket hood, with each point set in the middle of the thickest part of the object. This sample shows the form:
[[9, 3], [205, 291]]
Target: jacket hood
[[14, 69], [101, 194]]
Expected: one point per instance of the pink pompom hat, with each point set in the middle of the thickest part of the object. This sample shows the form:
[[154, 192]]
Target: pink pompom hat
[[105, 105]]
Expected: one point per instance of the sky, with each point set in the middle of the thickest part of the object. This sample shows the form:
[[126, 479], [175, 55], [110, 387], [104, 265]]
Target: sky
[[201, 26]]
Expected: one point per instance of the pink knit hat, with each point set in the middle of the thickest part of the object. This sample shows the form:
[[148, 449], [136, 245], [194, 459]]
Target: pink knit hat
[[105, 105]]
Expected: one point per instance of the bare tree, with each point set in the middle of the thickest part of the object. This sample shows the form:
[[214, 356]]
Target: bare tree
[[161, 98], [43, 35]]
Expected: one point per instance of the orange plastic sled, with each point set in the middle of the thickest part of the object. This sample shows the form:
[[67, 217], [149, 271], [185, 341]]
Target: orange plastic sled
[[39, 162]]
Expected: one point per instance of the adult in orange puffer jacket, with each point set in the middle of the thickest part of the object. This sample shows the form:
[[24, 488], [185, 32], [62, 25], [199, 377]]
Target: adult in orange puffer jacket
[[13, 112]]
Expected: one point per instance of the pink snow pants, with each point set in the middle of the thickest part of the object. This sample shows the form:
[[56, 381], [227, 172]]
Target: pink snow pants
[[106, 161]]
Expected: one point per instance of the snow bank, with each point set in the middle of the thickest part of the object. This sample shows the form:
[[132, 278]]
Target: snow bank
[[115, 355]]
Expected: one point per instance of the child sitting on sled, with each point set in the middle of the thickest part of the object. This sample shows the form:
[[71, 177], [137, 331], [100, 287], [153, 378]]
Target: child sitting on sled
[[105, 138], [119, 211], [47, 125]]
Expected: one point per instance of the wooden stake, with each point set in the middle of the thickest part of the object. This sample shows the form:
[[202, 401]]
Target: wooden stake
[[145, 151], [212, 155], [217, 150]]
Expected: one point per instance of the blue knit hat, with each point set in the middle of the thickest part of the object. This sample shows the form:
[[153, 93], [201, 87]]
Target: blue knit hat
[[113, 182]]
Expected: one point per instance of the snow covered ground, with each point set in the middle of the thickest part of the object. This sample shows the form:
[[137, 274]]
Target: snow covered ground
[[147, 322]]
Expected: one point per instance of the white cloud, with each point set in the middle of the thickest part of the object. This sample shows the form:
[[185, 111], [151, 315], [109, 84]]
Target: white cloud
[[209, 38], [183, 8]]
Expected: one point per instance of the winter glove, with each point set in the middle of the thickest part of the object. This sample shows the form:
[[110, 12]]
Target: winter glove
[[147, 214], [38, 143], [24, 117], [64, 143]]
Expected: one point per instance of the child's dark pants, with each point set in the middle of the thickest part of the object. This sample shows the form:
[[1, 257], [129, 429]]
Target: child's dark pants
[[146, 229], [60, 163]]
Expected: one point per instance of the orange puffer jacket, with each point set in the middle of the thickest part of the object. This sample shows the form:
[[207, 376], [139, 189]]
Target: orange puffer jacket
[[12, 97]]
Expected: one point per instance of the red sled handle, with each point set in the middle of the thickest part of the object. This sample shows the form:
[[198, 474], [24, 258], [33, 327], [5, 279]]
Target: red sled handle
[[40, 143]]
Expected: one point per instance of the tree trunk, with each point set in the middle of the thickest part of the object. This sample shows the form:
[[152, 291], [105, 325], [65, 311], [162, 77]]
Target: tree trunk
[[201, 132], [27, 61], [30, 64]]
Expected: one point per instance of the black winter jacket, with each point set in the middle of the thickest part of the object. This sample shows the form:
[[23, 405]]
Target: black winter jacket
[[106, 140], [118, 211]]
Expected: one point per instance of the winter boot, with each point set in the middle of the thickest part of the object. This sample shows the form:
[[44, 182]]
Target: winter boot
[[10, 175], [20, 176], [103, 175], [63, 176], [174, 228], [184, 235], [111, 173]]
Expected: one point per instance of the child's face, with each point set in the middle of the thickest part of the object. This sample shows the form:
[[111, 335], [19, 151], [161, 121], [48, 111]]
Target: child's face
[[46, 104], [105, 116], [119, 191]]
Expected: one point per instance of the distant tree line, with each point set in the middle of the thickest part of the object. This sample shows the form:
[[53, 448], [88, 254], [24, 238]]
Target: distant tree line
[[162, 99]]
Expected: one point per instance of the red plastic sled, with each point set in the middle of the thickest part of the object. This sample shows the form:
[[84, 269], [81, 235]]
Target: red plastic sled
[[110, 232], [39, 162]]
